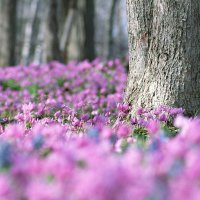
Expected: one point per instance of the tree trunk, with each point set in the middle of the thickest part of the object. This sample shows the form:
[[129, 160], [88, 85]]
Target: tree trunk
[[75, 48], [6, 37], [111, 28], [70, 18], [30, 30], [12, 14], [54, 29], [164, 47], [89, 14]]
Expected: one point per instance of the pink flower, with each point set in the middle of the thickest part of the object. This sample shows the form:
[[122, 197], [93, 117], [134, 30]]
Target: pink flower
[[163, 118], [14, 131], [27, 108], [40, 190], [106, 132], [131, 140], [123, 131], [180, 121], [5, 189], [140, 110], [123, 107], [153, 127]]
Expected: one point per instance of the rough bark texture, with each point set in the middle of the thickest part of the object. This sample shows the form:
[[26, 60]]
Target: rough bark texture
[[164, 47]]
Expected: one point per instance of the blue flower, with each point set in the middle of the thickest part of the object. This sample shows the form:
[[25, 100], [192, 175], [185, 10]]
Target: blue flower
[[154, 146], [38, 141], [176, 168], [113, 138], [93, 133], [5, 154]]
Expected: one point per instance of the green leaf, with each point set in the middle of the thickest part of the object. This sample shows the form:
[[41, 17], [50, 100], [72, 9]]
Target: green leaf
[[170, 131], [50, 178], [33, 89], [141, 135], [11, 84], [81, 163], [46, 152], [60, 81], [124, 145]]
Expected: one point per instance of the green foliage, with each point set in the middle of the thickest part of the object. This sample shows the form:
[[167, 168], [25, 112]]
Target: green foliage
[[124, 145], [141, 135], [50, 178], [11, 84], [79, 89], [81, 164], [60, 81], [108, 76], [111, 89], [46, 152], [28, 125], [7, 114], [33, 89], [170, 131]]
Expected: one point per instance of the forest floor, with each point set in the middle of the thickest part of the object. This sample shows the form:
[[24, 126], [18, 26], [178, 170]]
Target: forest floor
[[64, 134]]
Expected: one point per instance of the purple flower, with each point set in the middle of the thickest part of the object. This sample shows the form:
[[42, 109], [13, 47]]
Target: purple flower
[[123, 131], [163, 118], [140, 110], [153, 127], [134, 121]]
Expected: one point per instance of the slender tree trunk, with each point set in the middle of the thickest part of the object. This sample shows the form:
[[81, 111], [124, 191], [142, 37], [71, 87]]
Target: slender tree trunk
[[35, 31], [111, 28], [6, 37], [75, 47], [70, 18], [164, 47], [89, 14], [12, 15], [54, 29], [28, 30]]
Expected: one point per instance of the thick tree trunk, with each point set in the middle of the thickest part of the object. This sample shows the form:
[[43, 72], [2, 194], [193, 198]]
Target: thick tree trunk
[[164, 47]]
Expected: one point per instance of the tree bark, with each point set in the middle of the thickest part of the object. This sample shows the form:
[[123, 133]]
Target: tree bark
[[70, 18], [111, 28], [29, 30], [12, 30], [89, 14], [54, 29], [5, 36], [164, 47]]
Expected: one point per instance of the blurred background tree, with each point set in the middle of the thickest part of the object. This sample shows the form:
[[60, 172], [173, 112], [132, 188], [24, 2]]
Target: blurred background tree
[[38, 31]]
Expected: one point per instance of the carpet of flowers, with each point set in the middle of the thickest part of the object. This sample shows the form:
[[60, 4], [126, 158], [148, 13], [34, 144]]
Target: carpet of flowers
[[65, 134]]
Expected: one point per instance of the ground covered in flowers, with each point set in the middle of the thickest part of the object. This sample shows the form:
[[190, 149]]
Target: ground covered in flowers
[[65, 134]]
